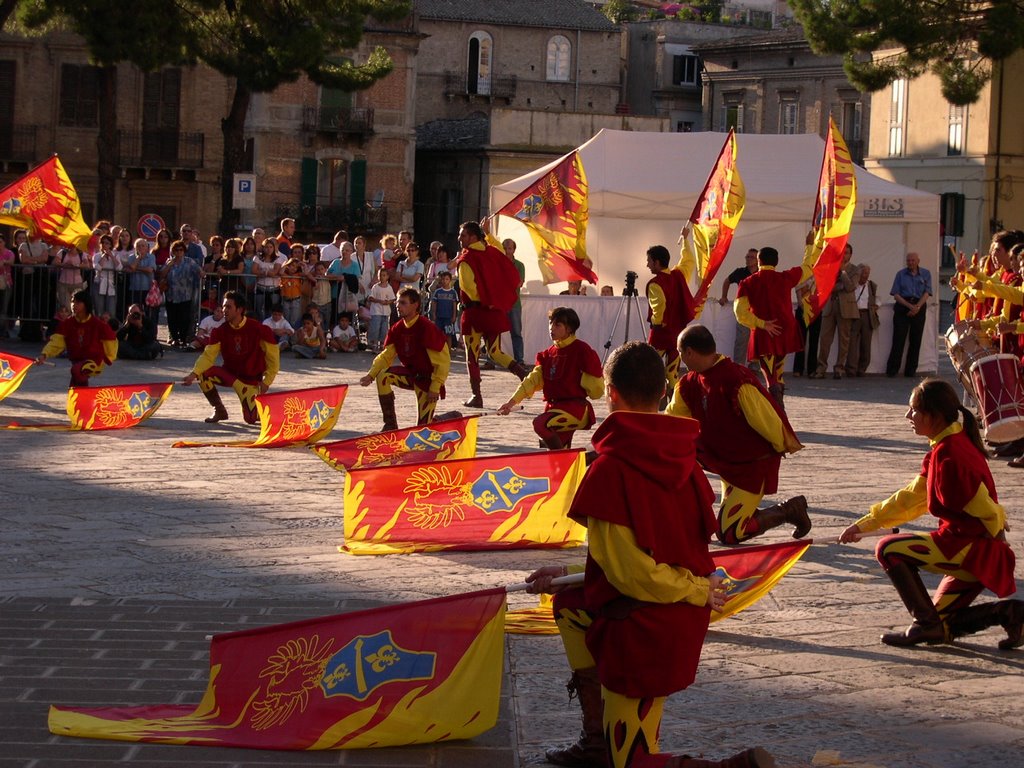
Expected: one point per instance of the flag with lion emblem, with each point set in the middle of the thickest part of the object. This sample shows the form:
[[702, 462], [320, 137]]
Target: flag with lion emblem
[[44, 202], [415, 673], [436, 441], [101, 408], [491, 502], [291, 417]]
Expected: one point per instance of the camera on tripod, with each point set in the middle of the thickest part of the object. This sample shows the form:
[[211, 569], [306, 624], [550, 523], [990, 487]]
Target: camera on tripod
[[630, 289]]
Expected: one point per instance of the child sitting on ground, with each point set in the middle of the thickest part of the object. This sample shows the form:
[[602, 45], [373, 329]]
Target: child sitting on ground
[[344, 337], [309, 341]]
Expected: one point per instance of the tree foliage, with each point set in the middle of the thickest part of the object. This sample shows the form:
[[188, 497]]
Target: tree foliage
[[956, 39], [620, 11]]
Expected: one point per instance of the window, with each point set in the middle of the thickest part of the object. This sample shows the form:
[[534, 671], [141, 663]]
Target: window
[[161, 115], [851, 113], [479, 70], [332, 182], [559, 58], [685, 70], [79, 95], [898, 118], [789, 117], [732, 118], [957, 118], [684, 126]]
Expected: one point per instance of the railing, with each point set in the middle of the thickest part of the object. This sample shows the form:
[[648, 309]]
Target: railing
[[338, 120], [160, 149], [365, 218], [18, 143]]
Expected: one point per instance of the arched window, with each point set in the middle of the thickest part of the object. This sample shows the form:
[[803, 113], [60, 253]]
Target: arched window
[[559, 58], [481, 49]]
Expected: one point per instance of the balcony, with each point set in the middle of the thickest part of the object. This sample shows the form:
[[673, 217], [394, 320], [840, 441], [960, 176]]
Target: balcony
[[331, 218], [18, 143], [338, 120], [160, 149], [501, 86]]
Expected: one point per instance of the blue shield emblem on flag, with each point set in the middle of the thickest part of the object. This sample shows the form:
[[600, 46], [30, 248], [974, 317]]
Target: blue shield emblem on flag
[[532, 206], [318, 414], [368, 662], [734, 586], [500, 491], [139, 403], [430, 439], [6, 372]]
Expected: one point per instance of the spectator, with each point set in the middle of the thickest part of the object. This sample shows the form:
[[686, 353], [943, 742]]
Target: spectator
[[136, 338], [105, 266], [182, 276], [283, 330], [381, 300], [6, 286], [911, 289], [443, 306], [344, 338], [309, 340], [206, 326], [267, 269]]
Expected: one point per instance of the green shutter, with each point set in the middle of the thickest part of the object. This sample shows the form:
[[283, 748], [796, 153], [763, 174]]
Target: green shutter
[[357, 184], [307, 186]]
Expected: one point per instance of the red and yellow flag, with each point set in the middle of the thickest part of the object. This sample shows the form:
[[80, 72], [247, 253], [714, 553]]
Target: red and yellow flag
[[44, 201], [555, 211], [12, 372], [102, 408], [437, 441], [492, 502], [749, 574], [416, 673], [292, 417], [833, 215], [716, 216]]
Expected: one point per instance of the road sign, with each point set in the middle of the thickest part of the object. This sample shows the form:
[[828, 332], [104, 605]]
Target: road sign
[[149, 224], [244, 196]]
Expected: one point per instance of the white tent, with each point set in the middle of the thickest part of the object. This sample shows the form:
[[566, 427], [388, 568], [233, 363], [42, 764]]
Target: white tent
[[643, 186]]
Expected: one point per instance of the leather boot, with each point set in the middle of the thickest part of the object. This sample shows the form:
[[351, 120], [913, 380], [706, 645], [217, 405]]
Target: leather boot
[[778, 392], [589, 750], [519, 369], [928, 626], [446, 416], [387, 408], [477, 400], [748, 758], [792, 511], [1007, 613], [220, 413]]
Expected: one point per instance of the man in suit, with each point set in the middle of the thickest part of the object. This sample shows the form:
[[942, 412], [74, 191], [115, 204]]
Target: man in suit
[[865, 296], [839, 312]]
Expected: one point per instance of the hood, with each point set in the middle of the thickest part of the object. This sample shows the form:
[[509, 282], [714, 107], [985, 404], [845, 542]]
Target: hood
[[662, 448]]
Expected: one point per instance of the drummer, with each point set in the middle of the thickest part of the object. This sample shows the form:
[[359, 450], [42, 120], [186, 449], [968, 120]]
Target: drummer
[[1000, 306]]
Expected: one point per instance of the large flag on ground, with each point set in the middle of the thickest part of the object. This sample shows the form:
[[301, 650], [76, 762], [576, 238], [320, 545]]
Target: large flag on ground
[[101, 408], [716, 216], [415, 673], [749, 574], [555, 211], [437, 441], [44, 201], [491, 502], [291, 417], [833, 214], [12, 372]]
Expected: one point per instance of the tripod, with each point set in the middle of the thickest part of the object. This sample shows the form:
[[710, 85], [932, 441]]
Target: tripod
[[629, 300]]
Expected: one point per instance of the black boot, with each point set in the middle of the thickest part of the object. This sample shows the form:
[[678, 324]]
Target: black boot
[[589, 751], [792, 511], [928, 626], [748, 758], [519, 369], [778, 392], [387, 409], [220, 413], [1009, 614], [477, 400]]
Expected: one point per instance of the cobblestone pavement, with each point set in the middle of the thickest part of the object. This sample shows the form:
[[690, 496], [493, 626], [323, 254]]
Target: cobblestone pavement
[[119, 555]]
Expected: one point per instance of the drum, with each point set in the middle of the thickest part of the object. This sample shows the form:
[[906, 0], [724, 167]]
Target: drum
[[1000, 394], [966, 347]]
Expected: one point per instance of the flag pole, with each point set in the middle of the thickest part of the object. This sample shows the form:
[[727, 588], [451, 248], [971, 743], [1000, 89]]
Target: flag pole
[[869, 535], [570, 580]]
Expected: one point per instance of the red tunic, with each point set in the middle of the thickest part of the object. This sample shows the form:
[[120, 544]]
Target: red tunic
[[241, 351], [562, 369], [646, 478], [497, 290], [954, 470], [84, 341], [728, 445], [411, 345], [769, 293], [678, 309]]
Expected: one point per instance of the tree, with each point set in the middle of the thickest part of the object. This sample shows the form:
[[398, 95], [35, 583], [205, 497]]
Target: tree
[[620, 11], [958, 40]]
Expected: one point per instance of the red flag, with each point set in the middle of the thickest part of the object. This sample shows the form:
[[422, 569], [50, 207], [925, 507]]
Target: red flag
[[437, 441], [555, 211], [44, 201], [416, 673], [833, 215], [12, 372], [291, 417], [101, 408], [491, 502], [716, 216]]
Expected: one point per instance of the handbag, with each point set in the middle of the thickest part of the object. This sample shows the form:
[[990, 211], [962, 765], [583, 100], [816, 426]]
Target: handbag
[[155, 297]]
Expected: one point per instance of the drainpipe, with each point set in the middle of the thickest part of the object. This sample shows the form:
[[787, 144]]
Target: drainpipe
[[576, 93], [993, 223]]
